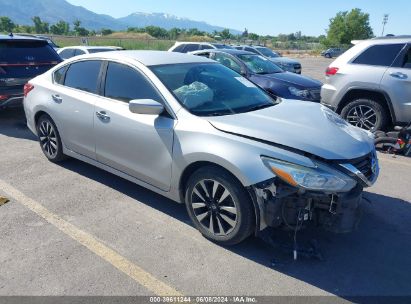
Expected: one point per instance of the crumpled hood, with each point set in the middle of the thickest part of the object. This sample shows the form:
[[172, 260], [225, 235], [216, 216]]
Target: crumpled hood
[[294, 79], [305, 126]]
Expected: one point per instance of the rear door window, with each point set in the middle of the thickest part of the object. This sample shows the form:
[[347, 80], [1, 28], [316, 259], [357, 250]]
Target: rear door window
[[125, 83], [180, 48], [83, 76], [205, 47], [67, 53], [380, 55], [27, 52], [191, 47], [248, 49], [79, 52]]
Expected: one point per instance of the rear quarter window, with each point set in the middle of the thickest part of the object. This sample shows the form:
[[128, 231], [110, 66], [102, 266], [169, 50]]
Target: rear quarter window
[[59, 75], [379, 55], [25, 51]]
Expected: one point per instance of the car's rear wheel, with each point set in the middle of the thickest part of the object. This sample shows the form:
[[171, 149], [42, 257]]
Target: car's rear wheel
[[49, 139], [366, 114], [219, 206]]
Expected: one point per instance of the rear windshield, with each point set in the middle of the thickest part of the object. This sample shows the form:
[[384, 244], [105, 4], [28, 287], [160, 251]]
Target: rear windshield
[[24, 51]]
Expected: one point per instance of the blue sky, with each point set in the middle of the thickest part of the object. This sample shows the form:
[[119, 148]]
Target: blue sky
[[265, 16]]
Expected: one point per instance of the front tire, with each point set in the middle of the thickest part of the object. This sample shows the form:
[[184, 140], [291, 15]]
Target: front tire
[[327, 55], [366, 114], [219, 206], [49, 138]]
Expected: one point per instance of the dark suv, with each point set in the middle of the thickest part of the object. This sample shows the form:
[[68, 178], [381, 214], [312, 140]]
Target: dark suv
[[21, 59]]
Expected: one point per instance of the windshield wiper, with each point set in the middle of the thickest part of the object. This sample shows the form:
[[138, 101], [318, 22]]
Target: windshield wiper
[[259, 107]]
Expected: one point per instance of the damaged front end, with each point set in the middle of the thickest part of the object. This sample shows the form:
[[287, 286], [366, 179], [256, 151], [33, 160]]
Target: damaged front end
[[327, 195]]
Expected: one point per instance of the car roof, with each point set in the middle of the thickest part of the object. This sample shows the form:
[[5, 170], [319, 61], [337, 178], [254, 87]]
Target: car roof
[[385, 40], [228, 51], [90, 47], [20, 37], [193, 42], [150, 58]]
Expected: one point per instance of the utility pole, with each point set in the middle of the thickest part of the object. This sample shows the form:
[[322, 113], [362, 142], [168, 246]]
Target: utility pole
[[384, 22]]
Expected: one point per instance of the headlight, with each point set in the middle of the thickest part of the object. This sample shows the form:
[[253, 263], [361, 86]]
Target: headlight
[[319, 178], [299, 93]]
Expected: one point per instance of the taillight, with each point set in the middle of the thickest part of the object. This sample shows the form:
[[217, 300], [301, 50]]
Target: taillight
[[331, 71], [27, 88], [3, 97]]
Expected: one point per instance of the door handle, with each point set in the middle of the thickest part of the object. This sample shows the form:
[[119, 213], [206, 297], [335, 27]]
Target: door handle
[[399, 75], [56, 98], [103, 115]]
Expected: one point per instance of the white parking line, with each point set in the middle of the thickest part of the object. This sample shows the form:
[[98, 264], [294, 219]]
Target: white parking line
[[135, 272]]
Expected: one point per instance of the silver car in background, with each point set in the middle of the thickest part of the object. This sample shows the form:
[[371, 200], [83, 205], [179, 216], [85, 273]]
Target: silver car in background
[[287, 64], [198, 133], [370, 84]]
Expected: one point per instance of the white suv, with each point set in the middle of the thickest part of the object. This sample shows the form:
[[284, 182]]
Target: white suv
[[370, 84], [186, 47]]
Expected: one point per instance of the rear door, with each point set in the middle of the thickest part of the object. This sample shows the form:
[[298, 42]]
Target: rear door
[[369, 67], [22, 60], [397, 82], [138, 145], [72, 99]]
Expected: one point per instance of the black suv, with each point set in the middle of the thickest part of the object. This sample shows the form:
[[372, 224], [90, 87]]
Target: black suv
[[21, 59]]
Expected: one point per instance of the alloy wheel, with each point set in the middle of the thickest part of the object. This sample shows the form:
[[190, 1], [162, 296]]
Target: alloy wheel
[[48, 139], [214, 207], [362, 116]]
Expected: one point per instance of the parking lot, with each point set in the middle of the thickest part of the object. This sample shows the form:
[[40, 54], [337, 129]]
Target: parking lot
[[73, 229]]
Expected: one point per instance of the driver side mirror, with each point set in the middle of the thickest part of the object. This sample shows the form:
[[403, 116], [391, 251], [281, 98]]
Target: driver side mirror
[[145, 106]]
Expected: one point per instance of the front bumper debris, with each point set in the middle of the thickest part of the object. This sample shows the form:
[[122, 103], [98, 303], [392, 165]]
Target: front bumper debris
[[282, 206]]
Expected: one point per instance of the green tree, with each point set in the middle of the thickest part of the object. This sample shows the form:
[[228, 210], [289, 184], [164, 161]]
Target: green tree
[[156, 31], [174, 33], [60, 28], [347, 26], [40, 27], [79, 30], [225, 34], [253, 36], [6, 25], [106, 32]]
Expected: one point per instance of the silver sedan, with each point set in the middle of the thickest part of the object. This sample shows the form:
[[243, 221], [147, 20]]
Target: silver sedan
[[200, 134]]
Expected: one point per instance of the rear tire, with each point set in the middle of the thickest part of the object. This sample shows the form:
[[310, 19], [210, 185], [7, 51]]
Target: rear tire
[[49, 139], [367, 114], [219, 206]]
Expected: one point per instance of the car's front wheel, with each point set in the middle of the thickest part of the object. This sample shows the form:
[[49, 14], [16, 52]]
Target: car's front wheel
[[219, 206], [327, 55], [366, 114], [49, 138]]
